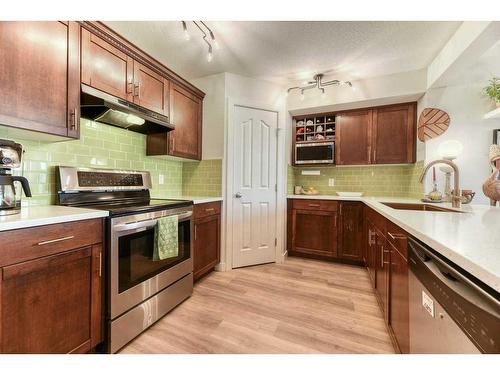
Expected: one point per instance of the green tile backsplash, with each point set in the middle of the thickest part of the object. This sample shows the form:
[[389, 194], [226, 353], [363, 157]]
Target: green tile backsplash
[[382, 181], [99, 146], [202, 178]]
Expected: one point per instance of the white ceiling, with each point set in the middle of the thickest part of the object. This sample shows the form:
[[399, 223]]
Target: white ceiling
[[289, 52]]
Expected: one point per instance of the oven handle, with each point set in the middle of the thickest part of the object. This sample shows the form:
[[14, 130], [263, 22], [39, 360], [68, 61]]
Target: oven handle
[[148, 223]]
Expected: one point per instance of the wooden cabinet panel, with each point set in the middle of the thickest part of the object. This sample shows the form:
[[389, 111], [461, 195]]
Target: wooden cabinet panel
[[40, 76], [151, 90], [206, 244], [52, 304], [394, 134], [314, 232], [186, 115], [353, 138], [206, 209], [371, 251], [399, 299], [382, 272], [106, 68], [351, 231]]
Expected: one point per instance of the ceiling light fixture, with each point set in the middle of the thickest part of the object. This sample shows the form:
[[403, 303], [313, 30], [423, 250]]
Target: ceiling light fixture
[[319, 84], [206, 33]]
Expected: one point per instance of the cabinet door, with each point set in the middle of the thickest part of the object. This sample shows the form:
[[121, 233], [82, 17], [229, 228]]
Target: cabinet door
[[206, 245], [382, 272], [186, 115], [353, 138], [52, 304], [151, 90], [394, 134], [399, 299], [351, 231], [314, 232], [40, 76], [106, 68], [371, 252]]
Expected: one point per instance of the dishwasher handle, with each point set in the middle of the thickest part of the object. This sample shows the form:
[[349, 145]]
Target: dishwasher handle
[[452, 278]]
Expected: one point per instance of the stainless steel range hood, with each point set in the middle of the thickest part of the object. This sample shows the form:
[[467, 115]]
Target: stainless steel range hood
[[99, 106]]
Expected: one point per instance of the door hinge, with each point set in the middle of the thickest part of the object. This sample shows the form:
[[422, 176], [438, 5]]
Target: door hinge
[[276, 187], [275, 242]]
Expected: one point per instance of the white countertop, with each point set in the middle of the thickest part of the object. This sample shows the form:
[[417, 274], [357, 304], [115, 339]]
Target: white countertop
[[195, 199], [33, 216], [470, 238]]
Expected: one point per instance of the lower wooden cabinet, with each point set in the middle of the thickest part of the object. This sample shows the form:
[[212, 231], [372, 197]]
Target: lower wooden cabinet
[[351, 231], [371, 251], [382, 272], [314, 228], [206, 252], [51, 303]]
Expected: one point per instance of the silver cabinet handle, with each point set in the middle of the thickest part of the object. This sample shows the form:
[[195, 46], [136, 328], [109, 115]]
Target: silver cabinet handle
[[100, 264], [238, 195], [56, 240]]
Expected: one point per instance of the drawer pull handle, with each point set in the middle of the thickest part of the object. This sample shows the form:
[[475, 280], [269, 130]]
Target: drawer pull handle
[[395, 237], [56, 240], [209, 209], [314, 205]]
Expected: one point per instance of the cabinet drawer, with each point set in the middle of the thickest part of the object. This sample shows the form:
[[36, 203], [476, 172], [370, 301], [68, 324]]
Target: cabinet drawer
[[314, 204], [398, 238], [378, 220], [206, 209], [21, 245]]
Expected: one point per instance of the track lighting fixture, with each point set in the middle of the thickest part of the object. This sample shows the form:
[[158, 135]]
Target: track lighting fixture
[[204, 29], [319, 84]]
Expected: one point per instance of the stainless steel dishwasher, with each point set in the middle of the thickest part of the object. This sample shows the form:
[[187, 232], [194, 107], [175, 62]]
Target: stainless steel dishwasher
[[450, 310]]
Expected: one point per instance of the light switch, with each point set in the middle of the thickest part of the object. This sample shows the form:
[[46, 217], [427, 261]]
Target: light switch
[[331, 182], [161, 179]]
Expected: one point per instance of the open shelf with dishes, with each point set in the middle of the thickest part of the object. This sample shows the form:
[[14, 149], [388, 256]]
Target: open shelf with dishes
[[320, 128]]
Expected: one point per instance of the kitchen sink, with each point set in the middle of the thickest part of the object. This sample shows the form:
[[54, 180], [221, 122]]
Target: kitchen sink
[[417, 207]]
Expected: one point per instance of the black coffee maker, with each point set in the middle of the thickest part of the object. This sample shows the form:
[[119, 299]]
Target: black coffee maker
[[10, 157]]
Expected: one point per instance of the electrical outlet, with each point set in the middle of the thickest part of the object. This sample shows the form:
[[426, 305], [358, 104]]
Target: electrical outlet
[[331, 182], [161, 179]]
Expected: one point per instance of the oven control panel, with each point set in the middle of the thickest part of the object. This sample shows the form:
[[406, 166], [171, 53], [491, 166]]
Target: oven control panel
[[88, 179]]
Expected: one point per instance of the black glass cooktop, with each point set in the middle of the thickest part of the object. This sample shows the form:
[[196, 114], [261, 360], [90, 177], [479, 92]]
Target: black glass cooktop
[[122, 208]]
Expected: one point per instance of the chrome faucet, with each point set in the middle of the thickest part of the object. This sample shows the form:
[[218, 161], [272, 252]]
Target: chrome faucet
[[455, 195]]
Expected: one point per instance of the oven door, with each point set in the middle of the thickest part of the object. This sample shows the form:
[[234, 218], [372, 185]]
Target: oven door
[[135, 276], [315, 153]]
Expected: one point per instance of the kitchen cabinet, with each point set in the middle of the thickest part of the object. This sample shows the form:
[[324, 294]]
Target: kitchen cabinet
[[206, 245], [186, 115], [371, 252], [109, 69], [40, 76], [51, 288], [382, 272], [399, 318], [314, 228], [353, 137], [394, 134], [351, 231]]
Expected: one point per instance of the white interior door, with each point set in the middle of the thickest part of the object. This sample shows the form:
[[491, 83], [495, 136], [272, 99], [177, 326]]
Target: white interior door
[[254, 186]]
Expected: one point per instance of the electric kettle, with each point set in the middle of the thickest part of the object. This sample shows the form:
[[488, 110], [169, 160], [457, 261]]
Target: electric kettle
[[10, 157]]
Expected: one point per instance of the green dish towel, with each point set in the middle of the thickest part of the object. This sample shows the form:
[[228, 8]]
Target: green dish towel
[[166, 238]]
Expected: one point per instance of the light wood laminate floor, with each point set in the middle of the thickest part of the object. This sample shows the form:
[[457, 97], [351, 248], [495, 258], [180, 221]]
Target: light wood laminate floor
[[301, 306]]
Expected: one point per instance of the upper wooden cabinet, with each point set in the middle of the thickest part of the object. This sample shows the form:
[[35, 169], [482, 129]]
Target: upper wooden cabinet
[[106, 68], [40, 76], [151, 90], [379, 135], [186, 114], [353, 138], [394, 134]]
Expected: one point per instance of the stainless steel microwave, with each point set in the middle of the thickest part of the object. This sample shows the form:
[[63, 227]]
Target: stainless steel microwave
[[315, 153]]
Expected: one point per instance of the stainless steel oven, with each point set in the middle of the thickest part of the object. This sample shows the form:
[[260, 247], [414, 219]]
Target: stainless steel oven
[[135, 276], [315, 153], [142, 289]]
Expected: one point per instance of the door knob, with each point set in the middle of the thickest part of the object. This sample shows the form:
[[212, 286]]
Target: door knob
[[238, 195]]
